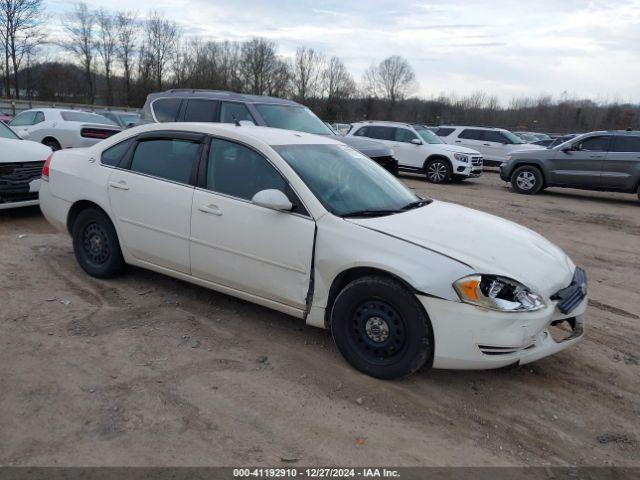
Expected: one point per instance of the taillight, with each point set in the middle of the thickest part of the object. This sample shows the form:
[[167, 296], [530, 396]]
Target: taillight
[[45, 168]]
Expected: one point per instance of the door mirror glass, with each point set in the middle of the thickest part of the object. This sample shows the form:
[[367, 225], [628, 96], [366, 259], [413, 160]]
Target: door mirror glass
[[273, 199], [415, 141]]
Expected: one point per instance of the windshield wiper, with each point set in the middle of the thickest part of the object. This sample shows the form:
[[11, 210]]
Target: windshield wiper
[[417, 204], [370, 213]]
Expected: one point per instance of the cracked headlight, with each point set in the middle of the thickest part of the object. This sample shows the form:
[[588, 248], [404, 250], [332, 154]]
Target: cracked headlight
[[461, 157], [497, 293]]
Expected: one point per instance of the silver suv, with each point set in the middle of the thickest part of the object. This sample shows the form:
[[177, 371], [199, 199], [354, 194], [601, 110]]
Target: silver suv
[[608, 161], [189, 105]]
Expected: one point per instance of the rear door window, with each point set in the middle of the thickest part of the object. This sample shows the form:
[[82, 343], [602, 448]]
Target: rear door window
[[231, 112], [492, 136], [471, 134], [381, 133], [166, 109], [626, 143], [200, 110], [170, 159]]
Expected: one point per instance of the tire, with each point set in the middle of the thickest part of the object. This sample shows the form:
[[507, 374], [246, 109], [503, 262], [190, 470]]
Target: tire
[[96, 245], [381, 329], [438, 171], [52, 144], [527, 180]]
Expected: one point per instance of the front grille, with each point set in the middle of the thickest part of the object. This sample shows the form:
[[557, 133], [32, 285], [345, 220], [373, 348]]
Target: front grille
[[570, 297], [15, 179], [476, 161]]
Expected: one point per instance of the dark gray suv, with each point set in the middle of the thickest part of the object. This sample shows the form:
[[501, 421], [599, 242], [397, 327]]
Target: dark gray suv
[[608, 161], [187, 105]]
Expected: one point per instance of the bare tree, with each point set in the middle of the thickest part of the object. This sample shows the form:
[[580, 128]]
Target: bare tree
[[80, 42], [392, 79], [307, 73], [106, 44], [19, 22], [126, 32], [161, 37], [337, 81], [259, 62]]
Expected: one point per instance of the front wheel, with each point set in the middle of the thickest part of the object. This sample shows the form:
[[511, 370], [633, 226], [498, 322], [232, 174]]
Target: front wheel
[[527, 180], [380, 328], [95, 244], [438, 171]]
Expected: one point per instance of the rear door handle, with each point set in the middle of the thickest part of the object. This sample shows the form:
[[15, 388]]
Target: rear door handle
[[210, 209], [458, 141], [121, 185], [487, 144]]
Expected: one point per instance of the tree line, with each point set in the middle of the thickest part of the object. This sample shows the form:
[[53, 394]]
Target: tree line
[[117, 58]]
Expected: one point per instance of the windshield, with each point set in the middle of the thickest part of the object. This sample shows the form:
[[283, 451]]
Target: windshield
[[345, 181], [85, 117], [513, 138], [427, 135], [6, 132], [288, 117]]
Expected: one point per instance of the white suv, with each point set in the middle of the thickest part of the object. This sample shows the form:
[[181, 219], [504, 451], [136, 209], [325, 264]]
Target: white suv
[[495, 144], [419, 150]]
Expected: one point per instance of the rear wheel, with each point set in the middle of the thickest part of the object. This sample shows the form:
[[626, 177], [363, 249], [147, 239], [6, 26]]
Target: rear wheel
[[527, 180], [95, 244], [438, 171], [52, 143], [380, 328]]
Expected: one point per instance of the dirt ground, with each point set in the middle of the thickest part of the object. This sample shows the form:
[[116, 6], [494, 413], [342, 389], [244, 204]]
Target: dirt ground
[[147, 370]]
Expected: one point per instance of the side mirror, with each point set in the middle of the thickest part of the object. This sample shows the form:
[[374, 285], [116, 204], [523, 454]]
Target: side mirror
[[567, 149], [130, 125], [273, 199], [415, 141]]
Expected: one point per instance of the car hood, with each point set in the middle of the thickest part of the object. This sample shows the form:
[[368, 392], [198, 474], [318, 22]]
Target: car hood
[[484, 242], [527, 147], [370, 148], [454, 148], [22, 151]]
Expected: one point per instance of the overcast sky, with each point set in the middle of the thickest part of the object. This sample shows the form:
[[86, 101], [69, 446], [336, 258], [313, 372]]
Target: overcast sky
[[504, 47]]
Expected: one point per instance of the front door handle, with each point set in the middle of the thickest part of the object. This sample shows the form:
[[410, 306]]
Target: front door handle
[[487, 144], [210, 209], [121, 185], [458, 141]]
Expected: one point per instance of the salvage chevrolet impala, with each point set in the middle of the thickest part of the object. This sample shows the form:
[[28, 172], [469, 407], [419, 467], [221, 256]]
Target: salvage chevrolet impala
[[309, 226]]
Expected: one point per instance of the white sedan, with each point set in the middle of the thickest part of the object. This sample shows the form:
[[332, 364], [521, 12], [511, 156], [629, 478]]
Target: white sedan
[[60, 128], [21, 165], [309, 226]]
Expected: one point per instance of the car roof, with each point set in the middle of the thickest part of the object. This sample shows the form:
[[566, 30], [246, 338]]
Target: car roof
[[266, 135], [386, 122], [480, 127], [221, 95]]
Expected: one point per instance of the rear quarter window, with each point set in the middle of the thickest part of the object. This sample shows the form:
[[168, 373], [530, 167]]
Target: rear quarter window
[[626, 143], [166, 109], [444, 132], [113, 155]]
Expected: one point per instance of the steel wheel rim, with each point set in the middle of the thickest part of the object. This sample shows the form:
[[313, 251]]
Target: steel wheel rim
[[377, 332], [526, 180], [437, 172], [95, 244]]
